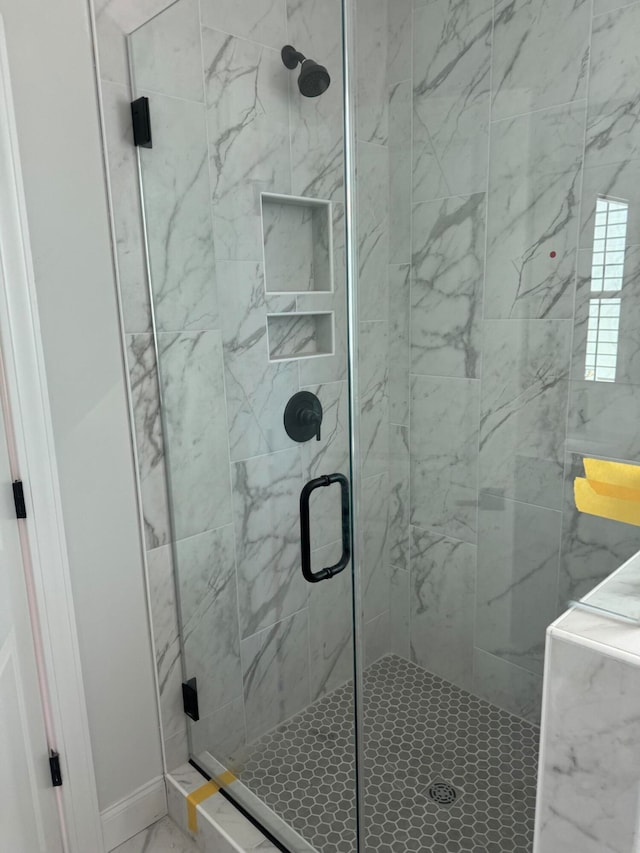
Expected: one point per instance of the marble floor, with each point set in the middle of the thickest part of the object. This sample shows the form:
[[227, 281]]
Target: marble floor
[[424, 739], [163, 837]]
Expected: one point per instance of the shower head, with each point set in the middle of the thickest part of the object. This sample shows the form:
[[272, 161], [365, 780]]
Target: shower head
[[314, 79]]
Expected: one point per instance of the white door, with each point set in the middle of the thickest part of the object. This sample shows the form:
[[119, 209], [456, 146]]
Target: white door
[[28, 810]]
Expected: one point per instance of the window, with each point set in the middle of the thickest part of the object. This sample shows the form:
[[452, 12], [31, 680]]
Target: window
[[607, 276]]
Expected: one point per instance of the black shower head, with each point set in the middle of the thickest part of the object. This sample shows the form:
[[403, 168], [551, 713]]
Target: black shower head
[[314, 79]]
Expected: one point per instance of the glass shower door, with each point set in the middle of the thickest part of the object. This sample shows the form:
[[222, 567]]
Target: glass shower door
[[243, 197]]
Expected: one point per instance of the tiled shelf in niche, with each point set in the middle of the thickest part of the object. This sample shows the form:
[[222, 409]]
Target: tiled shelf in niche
[[298, 244], [300, 335]]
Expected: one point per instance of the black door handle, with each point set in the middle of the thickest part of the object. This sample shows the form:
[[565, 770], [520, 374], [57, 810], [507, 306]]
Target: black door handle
[[305, 538]]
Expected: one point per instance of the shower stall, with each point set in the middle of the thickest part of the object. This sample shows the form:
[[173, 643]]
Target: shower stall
[[391, 296]]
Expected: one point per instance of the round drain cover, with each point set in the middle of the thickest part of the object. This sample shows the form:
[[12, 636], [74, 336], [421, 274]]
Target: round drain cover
[[442, 793]]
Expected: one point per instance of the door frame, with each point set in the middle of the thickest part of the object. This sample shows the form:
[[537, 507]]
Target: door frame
[[35, 460]]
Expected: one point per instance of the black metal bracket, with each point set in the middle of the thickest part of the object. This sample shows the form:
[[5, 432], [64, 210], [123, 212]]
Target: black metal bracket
[[305, 535], [54, 766], [141, 119], [18, 499], [190, 699]]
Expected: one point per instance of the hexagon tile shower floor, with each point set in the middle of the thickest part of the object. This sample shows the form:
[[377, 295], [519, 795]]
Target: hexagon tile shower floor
[[421, 735]]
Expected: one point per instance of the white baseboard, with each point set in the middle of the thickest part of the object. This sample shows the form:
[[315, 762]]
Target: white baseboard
[[134, 813]]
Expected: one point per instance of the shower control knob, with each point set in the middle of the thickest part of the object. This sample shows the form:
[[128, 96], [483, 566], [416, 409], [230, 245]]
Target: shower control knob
[[303, 417]]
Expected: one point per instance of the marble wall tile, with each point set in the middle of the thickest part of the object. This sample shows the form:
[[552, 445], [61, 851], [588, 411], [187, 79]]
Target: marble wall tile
[[588, 800], [257, 390], [592, 547], [195, 430], [275, 665], [399, 343], [518, 561], [444, 455], [262, 21], [628, 346], [126, 208], [206, 577], [534, 197], [620, 181], [143, 382], [446, 289], [166, 55], [175, 178], [266, 494], [330, 455], [374, 397], [443, 575], [375, 533], [399, 467], [451, 70], [246, 87], [602, 6], [373, 231], [604, 419], [399, 613], [176, 749], [222, 734], [330, 626], [371, 56], [376, 638], [400, 40], [400, 172], [540, 54], [508, 686], [523, 409], [162, 595], [613, 132]]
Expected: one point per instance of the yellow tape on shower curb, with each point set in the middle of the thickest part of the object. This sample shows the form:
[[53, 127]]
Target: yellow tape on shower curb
[[193, 801]]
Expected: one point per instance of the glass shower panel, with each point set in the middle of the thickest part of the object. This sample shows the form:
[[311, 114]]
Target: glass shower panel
[[243, 193]]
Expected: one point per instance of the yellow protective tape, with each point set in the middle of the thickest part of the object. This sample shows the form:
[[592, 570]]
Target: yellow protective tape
[[225, 778], [607, 501], [193, 801], [614, 473]]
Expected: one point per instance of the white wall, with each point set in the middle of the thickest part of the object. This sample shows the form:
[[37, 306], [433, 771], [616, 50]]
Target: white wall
[[56, 106]]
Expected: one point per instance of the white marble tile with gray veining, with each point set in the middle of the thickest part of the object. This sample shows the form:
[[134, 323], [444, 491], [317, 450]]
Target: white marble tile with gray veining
[[206, 577], [518, 557], [523, 409], [262, 21], [375, 537], [374, 397], [257, 390], [444, 455], [247, 89], [275, 664], [591, 754], [448, 267], [399, 612], [222, 734], [508, 686], [399, 467], [400, 172], [175, 178], [616, 181], [161, 837], [400, 32], [371, 83], [195, 422], [376, 638], [143, 382], [296, 247], [266, 493], [166, 633], [540, 54], [532, 225], [373, 231], [399, 343], [126, 206], [451, 71], [604, 420], [166, 55], [442, 602], [330, 627], [613, 129]]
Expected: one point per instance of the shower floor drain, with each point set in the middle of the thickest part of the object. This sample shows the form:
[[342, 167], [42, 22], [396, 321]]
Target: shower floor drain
[[442, 793]]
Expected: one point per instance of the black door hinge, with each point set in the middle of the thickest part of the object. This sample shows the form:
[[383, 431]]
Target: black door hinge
[[141, 119], [18, 499], [190, 699], [56, 774]]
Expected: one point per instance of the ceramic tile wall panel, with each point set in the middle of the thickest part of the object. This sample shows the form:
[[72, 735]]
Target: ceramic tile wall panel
[[591, 753], [443, 575], [444, 455], [373, 231], [448, 268], [399, 612], [533, 213], [518, 553], [451, 72], [400, 172], [275, 663], [510, 687], [523, 409], [400, 39], [375, 532], [222, 734], [374, 397], [540, 54], [260, 21], [399, 343], [376, 638], [371, 52], [399, 468]]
